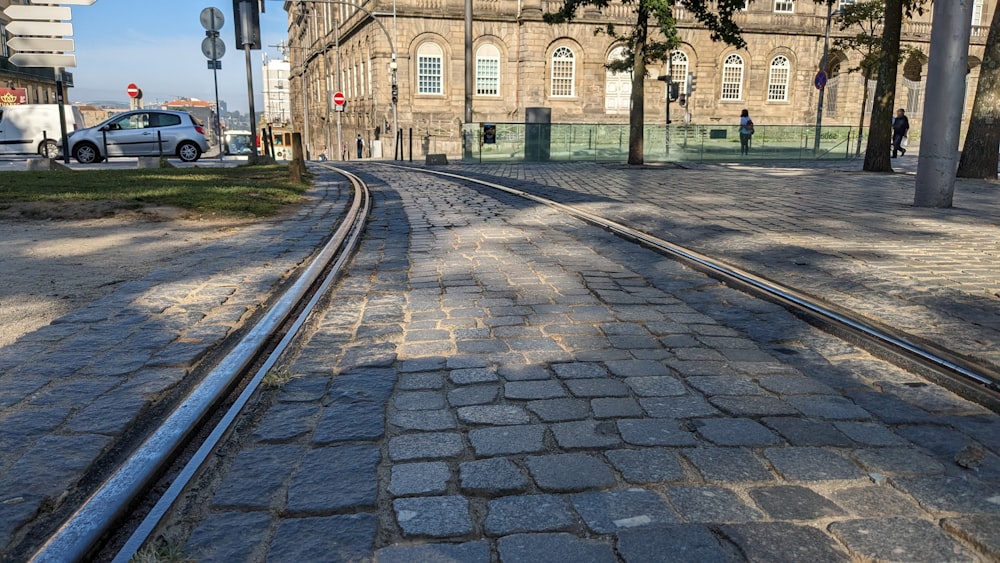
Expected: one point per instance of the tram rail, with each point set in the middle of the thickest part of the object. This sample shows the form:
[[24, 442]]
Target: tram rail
[[274, 334], [252, 357], [973, 380]]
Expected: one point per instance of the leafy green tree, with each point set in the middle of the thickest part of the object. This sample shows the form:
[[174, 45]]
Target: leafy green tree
[[864, 19], [641, 50], [979, 155]]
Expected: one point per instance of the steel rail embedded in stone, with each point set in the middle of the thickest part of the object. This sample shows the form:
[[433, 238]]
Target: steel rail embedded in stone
[[95, 518], [973, 380]]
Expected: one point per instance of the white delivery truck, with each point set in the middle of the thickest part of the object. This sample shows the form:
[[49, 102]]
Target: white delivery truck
[[34, 128]]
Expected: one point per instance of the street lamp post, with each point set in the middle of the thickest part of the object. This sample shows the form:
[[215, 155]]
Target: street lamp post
[[823, 65]]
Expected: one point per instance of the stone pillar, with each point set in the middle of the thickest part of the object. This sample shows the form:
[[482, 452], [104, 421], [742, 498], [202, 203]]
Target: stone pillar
[[945, 96]]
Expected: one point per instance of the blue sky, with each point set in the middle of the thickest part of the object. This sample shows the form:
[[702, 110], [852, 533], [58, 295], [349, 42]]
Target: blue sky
[[157, 46]]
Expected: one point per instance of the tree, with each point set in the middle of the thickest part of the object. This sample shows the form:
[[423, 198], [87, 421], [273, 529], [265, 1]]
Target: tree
[[866, 17], [641, 50], [880, 128], [979, 155]]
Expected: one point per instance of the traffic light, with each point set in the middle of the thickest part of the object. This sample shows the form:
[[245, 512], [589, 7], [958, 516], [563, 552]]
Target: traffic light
[[691, 83], [675, 90], [395, 93], [682, 100]]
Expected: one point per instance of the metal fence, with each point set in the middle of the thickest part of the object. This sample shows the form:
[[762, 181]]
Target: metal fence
[[519, 142]]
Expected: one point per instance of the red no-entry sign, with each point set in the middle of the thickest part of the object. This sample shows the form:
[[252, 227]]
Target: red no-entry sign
[[133, 91], [339, 99]]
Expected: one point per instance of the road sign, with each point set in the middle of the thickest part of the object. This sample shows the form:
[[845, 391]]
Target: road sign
[[56, 29], [211, 19], [49, 44], [52, 60], [43, 13], [820, 80], [210, 43], [133, 91], [339, 99]]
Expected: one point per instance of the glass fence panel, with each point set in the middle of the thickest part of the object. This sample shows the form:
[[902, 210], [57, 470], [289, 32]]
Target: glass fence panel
[[598, 142]]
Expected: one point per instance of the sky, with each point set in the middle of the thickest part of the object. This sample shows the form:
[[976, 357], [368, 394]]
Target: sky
[[156, 44]]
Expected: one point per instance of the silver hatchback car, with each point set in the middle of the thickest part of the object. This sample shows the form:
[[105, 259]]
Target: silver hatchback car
[[141, 133]]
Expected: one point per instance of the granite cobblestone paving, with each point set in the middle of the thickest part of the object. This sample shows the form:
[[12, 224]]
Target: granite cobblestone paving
[[69, 391], [551, 393]]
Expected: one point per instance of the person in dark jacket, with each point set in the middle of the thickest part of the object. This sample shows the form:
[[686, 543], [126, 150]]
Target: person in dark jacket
[[900, 125]]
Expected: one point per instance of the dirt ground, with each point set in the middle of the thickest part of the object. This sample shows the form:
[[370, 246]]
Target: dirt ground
[[57, 258]]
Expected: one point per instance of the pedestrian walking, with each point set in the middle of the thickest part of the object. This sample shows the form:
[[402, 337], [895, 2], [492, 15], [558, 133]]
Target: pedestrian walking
[[746, 132], [361, 145], [900, 125]]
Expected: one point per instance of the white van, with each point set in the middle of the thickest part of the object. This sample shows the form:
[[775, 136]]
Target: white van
[[35, 128]]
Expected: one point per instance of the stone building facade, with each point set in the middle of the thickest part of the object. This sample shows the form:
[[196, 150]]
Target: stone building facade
[[521, 62]]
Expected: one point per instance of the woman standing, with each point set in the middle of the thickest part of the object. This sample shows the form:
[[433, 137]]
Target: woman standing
[[746, 132]]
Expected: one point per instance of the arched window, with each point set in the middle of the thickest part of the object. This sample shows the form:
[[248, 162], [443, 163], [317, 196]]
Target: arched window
[[563, 72], [488, 71], [732, 78], [679, 69], [618, 85], [430, 68], [777, 79]]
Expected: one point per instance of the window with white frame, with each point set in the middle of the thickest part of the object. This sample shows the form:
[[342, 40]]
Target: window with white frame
[[977, 12], [847, 3], [679, 69], [732, 78], [430, 65], [563, 72], [784, 6], [617, 85], [488, 71], [777, 79]]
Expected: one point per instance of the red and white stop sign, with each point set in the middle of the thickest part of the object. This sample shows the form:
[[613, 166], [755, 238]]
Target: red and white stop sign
[[339, 99], [133, 91]]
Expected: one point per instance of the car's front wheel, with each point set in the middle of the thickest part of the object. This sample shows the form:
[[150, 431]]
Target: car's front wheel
[[49, 149], [86, 153], [188, 151]]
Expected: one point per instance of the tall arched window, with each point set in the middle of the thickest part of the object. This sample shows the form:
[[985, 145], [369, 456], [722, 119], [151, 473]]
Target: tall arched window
[[430, 67], [679, 69], [563, 72], [777, 79], [617, 86], [732, 78], [488, 71]]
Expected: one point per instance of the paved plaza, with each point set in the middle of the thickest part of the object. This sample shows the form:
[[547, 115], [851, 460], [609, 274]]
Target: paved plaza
[[496, 381]]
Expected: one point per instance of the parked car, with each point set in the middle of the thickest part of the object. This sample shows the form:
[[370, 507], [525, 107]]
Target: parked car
[[141, 133], [35, 128]]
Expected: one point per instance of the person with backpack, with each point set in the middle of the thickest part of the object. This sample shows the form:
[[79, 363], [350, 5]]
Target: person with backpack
[[746, 132]]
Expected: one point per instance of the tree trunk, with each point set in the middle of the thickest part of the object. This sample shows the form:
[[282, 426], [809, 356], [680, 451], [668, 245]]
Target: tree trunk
[[880, 127], [637, 114], [864, 106], [979, 155]]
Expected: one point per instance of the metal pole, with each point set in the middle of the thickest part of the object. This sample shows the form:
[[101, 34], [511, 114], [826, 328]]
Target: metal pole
[[247, 42], [340, 114], [215, 77], [942, 121], [469, 63], [61, 100], [826, 49]]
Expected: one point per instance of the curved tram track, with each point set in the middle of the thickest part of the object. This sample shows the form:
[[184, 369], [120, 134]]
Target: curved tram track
[[276, 332]]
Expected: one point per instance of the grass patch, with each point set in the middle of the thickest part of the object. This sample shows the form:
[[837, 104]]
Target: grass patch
[[243, 191], [277, 377]]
